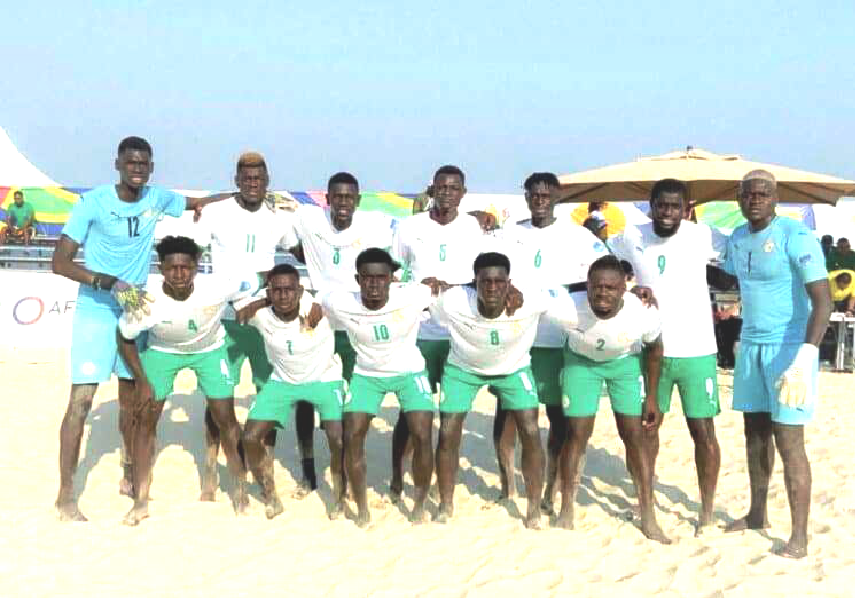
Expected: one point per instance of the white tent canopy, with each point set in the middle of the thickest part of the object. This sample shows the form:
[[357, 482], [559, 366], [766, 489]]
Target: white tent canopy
[[16, 170]]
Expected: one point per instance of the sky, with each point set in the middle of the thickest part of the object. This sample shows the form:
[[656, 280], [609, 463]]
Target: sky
[[391, 90]]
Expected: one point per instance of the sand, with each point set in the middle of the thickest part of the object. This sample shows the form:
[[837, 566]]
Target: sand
[[188, 548]]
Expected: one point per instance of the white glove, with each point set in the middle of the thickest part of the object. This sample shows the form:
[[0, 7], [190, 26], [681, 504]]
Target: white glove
[[793, 385]]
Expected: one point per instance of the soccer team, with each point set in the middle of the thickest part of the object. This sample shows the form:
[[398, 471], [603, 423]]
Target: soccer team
[[440, 305]]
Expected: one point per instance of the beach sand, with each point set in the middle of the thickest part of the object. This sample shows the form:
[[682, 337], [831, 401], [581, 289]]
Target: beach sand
[[188, 548]]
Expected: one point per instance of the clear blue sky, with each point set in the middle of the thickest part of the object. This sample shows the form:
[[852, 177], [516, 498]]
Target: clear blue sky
[[390, 90]]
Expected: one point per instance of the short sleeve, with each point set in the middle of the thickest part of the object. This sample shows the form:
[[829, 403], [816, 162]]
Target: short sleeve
[[718, 242], [805, 254], [289, 237], [618, 245], [256, 320], [240, 291], [438, 307], [82, 215], [652, 325], [561, 309], [728, 265], [131, 330], [171, 203], [399, 250]]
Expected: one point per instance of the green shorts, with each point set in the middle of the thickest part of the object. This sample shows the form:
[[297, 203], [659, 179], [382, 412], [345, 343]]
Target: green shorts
[[211, 369], [582, 383], [696, 379], [435, 354], [516, 391], [366, 393], [242, 343], [276, 399], [345, 351], [546, 366]]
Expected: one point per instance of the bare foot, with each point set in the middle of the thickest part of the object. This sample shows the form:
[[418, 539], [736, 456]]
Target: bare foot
[[68, 511], [747, 522], [135, 515], [565, 520], [792, 549], [704, 524], [240, 499], [302, 491], [419, 515], [336, 510], [363, 518], [533, 520], [652, 531], [126, 487], [273, 507], [209, 486], [396, 489], [208, 496], [547, 506], [444, 514]]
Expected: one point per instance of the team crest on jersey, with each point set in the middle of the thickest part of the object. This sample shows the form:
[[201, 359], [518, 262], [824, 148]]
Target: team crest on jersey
[[516, 328], [397, 316], [769, 246], [623, 339]]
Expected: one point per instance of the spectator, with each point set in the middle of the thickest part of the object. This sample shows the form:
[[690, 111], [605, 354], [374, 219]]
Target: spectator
[[841, 257], [842, 284], [826, 242], [19, 221]]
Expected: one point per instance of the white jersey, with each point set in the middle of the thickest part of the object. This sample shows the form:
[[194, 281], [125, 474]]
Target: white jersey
[[192, 325], [244, 241], [298, 355], [501, 345], [385, 339], [447, 252], [675, 268], [624, 334], [330, 253], [558, 254]]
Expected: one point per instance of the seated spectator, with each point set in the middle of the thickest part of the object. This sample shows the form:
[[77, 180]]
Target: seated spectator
[[842, 284], [841, 257], [19, 222]]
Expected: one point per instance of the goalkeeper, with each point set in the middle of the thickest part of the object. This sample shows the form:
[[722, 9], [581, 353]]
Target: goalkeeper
[[785, 309], [116, 224]]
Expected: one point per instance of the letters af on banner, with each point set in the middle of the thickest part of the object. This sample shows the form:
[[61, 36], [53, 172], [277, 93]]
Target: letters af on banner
[[36, 309]]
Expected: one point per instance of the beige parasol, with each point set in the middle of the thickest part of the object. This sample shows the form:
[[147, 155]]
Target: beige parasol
[[711, 177]]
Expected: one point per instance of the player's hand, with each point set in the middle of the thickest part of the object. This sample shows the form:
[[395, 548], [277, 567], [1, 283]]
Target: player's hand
[[648, 299], [310, 312], [486, 220], [436, 286], [794, 384], [651, 417], [144, 396], [133, 300], [245, 313], [514, 300]]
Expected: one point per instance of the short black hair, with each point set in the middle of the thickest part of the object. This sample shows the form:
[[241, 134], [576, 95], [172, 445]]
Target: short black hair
[[342, 178], [607, 262], [627, 268], [17, 193], [375, 255], [842, 240], [827, 238], [843, 277], [450, 169], [169, 245], [134, 143], [489, 259], [541, 177], [594, 225], [669, 186], [282, 269]]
